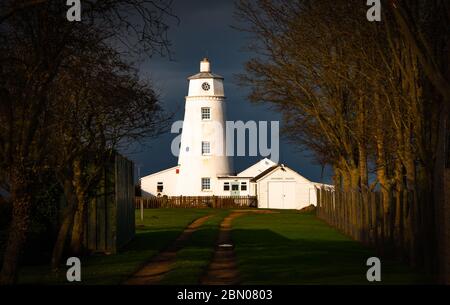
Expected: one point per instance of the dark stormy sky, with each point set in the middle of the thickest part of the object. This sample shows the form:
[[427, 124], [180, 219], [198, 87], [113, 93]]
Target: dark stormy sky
[[205, 29]]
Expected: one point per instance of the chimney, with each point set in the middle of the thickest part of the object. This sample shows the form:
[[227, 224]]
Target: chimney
[[205, 65]]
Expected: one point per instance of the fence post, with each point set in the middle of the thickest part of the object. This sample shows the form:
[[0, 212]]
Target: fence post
[[141, 203], [319, 210]]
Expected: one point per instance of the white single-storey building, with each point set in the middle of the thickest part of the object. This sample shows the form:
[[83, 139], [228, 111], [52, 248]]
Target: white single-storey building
[[275, 185], [204, 169], [280, 187]]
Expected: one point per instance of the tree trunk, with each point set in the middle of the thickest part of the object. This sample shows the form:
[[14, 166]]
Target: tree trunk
[[437, 213], [397, 201], [337, 178], [67, 221], [362, 143], [354, 178], [346, 181], [78, 221], [21, 200], [363, 173], [78, 226]]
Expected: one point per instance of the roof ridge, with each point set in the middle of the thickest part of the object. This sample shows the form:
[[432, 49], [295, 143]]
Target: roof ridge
[[267, 171]]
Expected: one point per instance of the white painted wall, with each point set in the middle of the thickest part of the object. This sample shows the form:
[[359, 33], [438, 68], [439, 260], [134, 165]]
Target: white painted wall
[[168, 177], [193, 165], [298, 190], [219, 191], [216, 87]]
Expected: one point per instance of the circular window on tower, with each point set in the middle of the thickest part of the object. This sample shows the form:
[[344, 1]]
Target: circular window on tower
[[206, 86]]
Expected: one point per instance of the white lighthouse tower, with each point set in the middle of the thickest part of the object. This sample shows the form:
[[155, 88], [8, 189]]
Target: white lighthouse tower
[[202, 155], [204, 169]]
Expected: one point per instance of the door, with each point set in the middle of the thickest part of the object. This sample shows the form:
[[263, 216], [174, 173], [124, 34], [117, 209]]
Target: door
[[289, 200], [275, 195], [282, 195], [235, 189]]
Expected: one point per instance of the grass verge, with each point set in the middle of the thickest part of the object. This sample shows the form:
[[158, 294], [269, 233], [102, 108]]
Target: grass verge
[[159, 228], [293, 248]]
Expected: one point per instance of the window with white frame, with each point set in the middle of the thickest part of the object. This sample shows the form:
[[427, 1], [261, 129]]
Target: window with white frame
[[243, 186], [226, 186], [206, 148], [206, 113], [206, 184]]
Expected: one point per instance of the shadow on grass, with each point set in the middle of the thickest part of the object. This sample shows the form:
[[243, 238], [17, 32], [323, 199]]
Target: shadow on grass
[[107, 269], [284, 248], [159, 228], [301, 250]]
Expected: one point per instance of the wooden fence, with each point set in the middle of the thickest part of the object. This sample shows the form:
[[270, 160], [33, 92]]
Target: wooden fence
[[392, 224], [110, 215], [347, 212], [401, 223], [445, 238], [221, 202]]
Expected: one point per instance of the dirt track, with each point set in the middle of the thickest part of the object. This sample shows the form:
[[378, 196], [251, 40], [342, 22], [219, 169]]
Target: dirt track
[[162, 263]]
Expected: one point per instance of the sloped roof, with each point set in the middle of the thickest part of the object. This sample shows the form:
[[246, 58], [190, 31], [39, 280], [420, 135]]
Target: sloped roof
[[267, 171], [160, 172], [232, 177], [205, 75], [257, 167], [274, 168]]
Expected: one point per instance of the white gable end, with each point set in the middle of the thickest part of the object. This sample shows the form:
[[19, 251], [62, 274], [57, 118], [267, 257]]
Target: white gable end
[[160, 183], [257, 168], [284, 188]]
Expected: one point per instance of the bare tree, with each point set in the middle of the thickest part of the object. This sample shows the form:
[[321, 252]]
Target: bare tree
[[38, 46], [364, 97]]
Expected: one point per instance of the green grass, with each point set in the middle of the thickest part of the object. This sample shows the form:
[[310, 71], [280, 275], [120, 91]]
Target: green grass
[[293, 248], [193, 260], [159, 228], [282, 248]]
